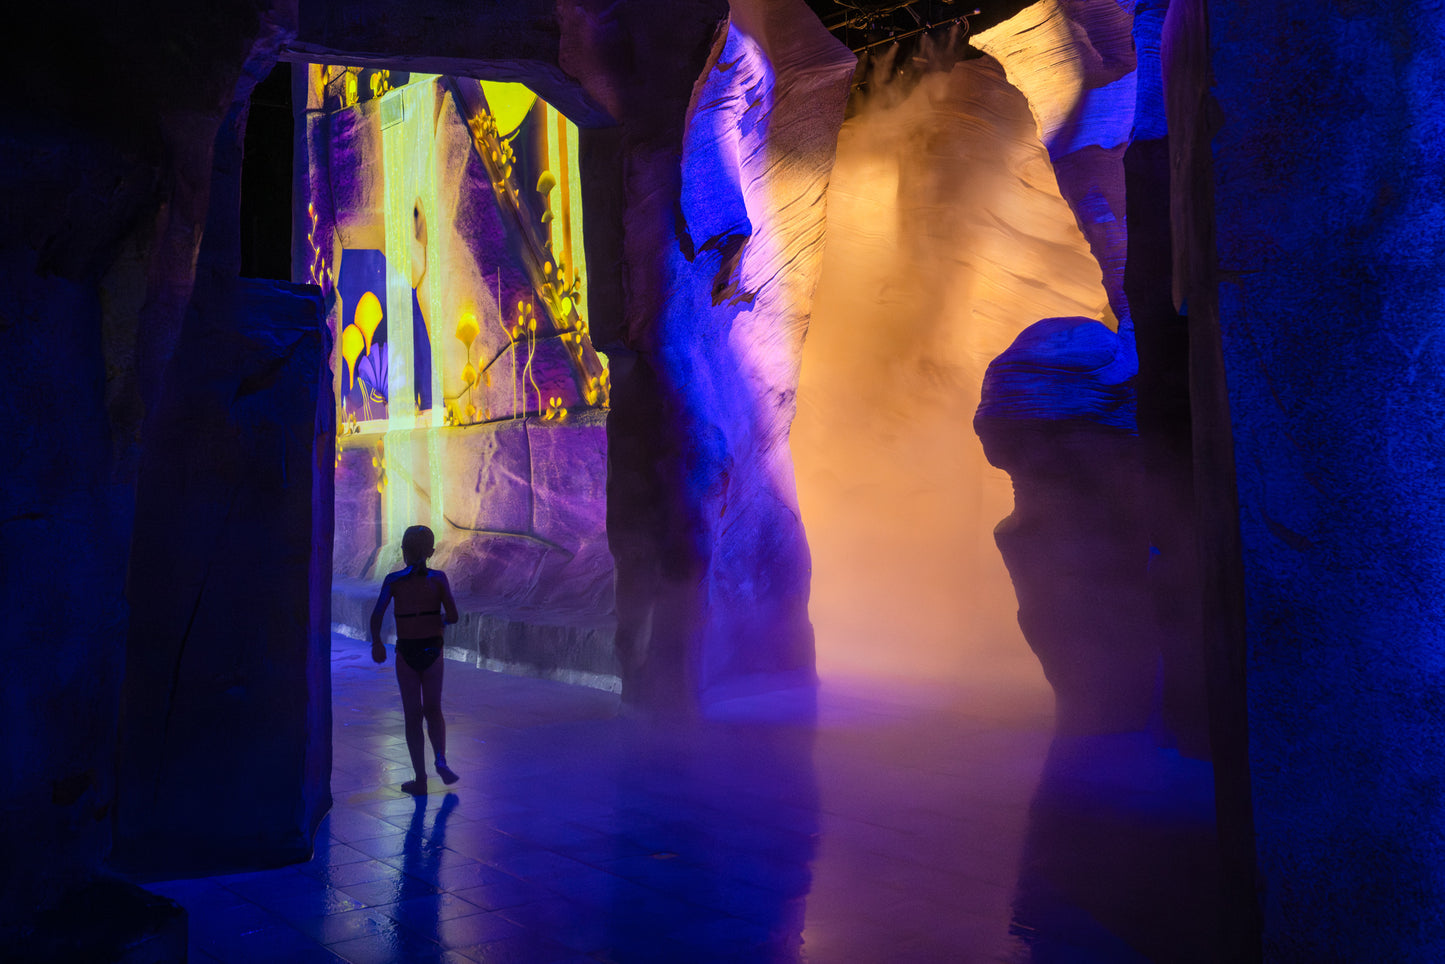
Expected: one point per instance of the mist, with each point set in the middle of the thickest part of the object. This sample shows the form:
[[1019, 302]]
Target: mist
[[946, 237]]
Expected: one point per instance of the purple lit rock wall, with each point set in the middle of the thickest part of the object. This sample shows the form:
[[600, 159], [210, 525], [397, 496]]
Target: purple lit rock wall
[[712, 559]]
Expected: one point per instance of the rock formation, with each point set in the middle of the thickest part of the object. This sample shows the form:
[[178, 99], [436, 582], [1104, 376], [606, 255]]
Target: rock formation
[[1092, 74], [1057, 414], [228, 664], [702, 518]]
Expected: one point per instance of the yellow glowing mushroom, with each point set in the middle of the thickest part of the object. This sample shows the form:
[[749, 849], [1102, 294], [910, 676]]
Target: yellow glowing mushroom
[[353, 343], [368, 316], [469, 374], [546, 182], [467, 328]]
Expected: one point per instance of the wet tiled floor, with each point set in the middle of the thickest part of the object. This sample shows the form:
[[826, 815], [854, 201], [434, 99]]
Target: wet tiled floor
[[869, 826]]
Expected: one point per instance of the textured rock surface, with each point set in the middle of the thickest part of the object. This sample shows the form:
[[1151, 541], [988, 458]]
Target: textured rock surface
[[524, 379], [712, 563], [1166, 438], [570, 652], [1062, 369], [947, 236], [1320, 293], [572, 648], [513, 41], [1056, 414], [1097, 882], [1077, 551], [358, 510], [1193, 118], [225, 738], [106, 194], [1074, 60]]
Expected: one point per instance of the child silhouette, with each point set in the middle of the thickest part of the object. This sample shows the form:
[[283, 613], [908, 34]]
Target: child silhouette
[[420, 595]]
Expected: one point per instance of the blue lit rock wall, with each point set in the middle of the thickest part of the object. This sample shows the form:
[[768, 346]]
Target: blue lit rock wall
[[762, 130], [711, 558], [1326, 268], [105, 196], [225, 755]]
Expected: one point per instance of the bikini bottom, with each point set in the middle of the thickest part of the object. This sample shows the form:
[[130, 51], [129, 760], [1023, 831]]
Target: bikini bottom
[[419, 653]]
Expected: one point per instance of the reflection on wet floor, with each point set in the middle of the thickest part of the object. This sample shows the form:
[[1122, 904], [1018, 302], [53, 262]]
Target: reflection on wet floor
[[873, 826]]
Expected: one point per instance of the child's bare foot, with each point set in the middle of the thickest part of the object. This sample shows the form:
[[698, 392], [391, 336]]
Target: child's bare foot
[[416, 788]]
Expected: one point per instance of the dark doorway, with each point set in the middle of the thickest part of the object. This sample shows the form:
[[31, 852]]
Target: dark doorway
[[266, 180]]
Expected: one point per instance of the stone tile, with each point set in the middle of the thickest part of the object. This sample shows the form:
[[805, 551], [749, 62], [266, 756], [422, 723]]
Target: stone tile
[[501, 894], [344, 875], [398, 947], [519, 950], [349, 925], [421, 913], [471, 930], [881, 832]]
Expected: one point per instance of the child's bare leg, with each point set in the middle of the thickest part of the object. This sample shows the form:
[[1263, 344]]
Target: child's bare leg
[[436, 727], [409, 682]]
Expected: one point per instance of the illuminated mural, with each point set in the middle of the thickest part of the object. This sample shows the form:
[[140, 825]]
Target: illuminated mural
[[517, 311], [445, 228]]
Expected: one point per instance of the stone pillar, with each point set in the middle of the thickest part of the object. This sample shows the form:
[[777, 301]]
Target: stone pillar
[[721, 257], [224, 759], [226, 722], [107, 187], [1316, 299]]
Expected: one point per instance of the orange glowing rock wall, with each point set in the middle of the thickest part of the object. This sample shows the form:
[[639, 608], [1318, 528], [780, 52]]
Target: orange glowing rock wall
[[947, 236]]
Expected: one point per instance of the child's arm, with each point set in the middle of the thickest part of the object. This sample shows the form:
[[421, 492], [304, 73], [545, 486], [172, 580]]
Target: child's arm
[[447, 600], [378, 651]]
